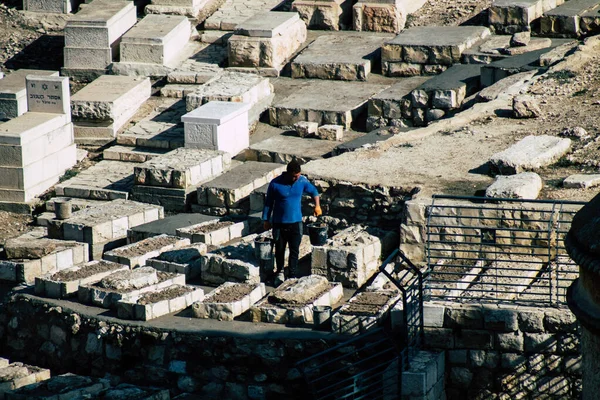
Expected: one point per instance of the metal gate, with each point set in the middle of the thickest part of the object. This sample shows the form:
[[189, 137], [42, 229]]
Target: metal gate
[[500, 250]]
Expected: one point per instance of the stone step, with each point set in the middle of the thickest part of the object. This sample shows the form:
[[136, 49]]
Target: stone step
[[185, 260], [232, 189], [167, 300], [310, 100], [571, 19], [136, 254], [105, 227], [344, 56], [364, 311], [228, 301], [17, 375], [293, 301], [511, 16], [65, 283], [125, 285]]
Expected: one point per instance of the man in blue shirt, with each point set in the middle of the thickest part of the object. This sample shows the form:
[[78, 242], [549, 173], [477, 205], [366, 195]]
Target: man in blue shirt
[[283, 213]]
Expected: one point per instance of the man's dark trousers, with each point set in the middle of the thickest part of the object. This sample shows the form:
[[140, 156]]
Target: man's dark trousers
[[287, 234]]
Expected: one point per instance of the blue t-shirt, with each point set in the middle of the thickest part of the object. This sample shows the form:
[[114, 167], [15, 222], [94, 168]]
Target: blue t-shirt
[[284, 199]]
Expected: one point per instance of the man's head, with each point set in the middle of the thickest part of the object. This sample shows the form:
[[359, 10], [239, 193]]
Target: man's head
[[293, 169]]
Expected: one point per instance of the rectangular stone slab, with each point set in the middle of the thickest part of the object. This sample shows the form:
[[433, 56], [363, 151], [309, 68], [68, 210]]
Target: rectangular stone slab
[[131, 308], [530, 153], [210, 307], [267, 24], [168, 225], [136, 254]]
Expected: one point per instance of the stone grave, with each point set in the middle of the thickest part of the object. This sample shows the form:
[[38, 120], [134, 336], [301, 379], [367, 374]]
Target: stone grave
[[347, 56], [511, 16], [571, 19], [233, 263], [16, 375], [216, 232], [234, 12], [325, 14], [125, 285], [50, 6], [202, 66], [184, 260], [428, 50], [443, 93], [383, 15], [229, 300], [92, 36], [167, 300], [312, 102], [218, 125], [37, 147], [161, 129], [352, 256], [189, 8], [155, 46], [136, 254], [33, 254], [293, 301], [13, 92], [105, 180], [266, 41], [102, 107], [105, 227], [168, 225], [65, 283], [237, 87], [530, 153], [67, 386], [229, 193], [172, 179], [364, 311], [393, 107]]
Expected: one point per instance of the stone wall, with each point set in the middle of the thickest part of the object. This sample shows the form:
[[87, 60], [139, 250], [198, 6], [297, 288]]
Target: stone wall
[[498, 352], [215, 363]]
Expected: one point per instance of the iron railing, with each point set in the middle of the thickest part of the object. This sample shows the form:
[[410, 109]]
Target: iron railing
[[500, 250], [370, 365]]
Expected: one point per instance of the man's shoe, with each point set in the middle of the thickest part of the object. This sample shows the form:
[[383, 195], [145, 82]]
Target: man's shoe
[[279, 279]]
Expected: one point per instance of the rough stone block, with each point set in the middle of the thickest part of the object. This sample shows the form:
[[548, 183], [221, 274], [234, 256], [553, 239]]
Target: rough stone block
[[331, 132]]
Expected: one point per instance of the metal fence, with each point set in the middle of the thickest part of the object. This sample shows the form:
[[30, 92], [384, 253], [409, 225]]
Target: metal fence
[[500, 250]]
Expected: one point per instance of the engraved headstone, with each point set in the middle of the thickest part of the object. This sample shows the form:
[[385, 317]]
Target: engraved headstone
[[48, 94]]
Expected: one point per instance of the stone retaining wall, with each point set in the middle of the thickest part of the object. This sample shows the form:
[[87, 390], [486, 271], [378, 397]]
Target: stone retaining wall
[[506, 352]]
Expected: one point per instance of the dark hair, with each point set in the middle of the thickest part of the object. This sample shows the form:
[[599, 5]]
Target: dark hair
[[293, 167]]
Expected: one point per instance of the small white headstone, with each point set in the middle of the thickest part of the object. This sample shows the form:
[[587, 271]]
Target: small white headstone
[[48, 94]]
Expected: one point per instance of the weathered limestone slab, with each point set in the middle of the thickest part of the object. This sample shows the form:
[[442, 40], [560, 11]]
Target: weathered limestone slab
[[233, 263], [330, 132], [218, 125], [526, 185], [66, 282], [167, 225], [530, 153], [125, 285], [428, 50], [189, 8], [339, 56], [17, 375], [50, 6], [581, 181], [293, 301], [161, 129], [234, 87], [13, 97], [231, 190], [393, 105], [136, 254], [182, 168], [565, 20], [61, 386], [352, 256], [185, 260], [156, 39], [364, 141], [91, 36], [266, 40], [131, 154], [106, 180], [363, 311], [497, 47], [511, 16], [105, 227], [216, 232], [170, 299], [234, 12], [229, 300], [379, 16], [312, 102], [331, 15], [102, 107]]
